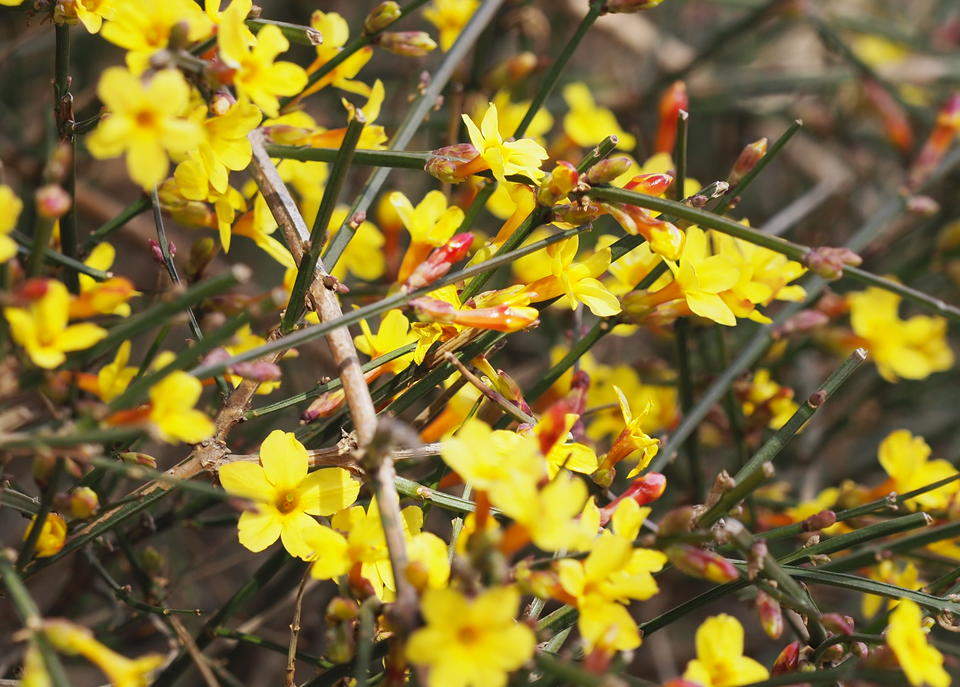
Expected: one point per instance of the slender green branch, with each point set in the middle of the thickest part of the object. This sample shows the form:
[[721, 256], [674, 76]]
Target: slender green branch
[[318, 235], [137, 207], [55, 258], [295, 33], [395, 159], [256, 640], [850, 540], [29, 614], [126, 597]]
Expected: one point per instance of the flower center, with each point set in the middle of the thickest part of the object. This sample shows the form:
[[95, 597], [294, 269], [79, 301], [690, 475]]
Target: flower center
[[468, 634], [145, 119], [287, 501]]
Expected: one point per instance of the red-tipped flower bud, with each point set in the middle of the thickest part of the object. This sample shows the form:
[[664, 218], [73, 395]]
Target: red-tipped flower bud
[[749, 157], [771, 616], [439, 262], [52, 201], [698, 562], [607, 170], [789, 659], [674, 100], [651, 184], [444, 163], [407, 43], [644, 489]]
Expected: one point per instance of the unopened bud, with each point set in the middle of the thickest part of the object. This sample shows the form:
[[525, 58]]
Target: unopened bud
[[819, 521], [679, 521], [803, 321], [644, 489], [511, 71], [828, 262], [157, 253], [817, 398], [838, 624], [609, 169], [583, 211], [31, 290], [381, 17], [323, 406], [407, 43], [771, 616], [748, 159], [501, 318], [444, 163], [700, 563], [83, 502], [924, 206], [202, 253], [651, 184], [136, 458], [52, 201], [557, 184], [673, 101], [341, 608], [439, 262], [789, 659], [721, 485], [629, 6], [257, 370]]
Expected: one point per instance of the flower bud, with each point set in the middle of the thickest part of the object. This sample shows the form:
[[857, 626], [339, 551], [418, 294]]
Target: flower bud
[[52, 537], [748, 159], [257, 370], [609, 169], [381, 17], [644, 489], [771, 617], [838, 624], [788, 661], [828, 262], [407, 43], [52, 201], [629, 6], [445, 162], [439, 262], [803, 321], [135, 458], [680, 520], [511, 71], [83, 502], [651, 184], [501, 318], [323, 406], [819, 521], [940, 140], [582, 211], [673, 100], [557, 184], [157, 253], [700, 563]]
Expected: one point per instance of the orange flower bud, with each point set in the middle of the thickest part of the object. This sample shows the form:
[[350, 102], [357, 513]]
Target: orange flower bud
[[771, 617], [748, 159], [698, 562], [944, 131], [651, 184], [644, 489], [557, 184], [52, 201], [439, 262], [674, 100]]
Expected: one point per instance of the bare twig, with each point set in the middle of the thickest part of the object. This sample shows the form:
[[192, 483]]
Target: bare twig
[[492, 394], [289, 678]]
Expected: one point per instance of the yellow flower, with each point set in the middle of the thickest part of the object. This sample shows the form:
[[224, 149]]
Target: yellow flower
[[430, 224], [357, 541], [720, 661], [577, 280], [632, 438], [503, 158], [172, 412], [764, 391], [336, 32], [142, 28], [450, 16], [224, 148], [121, 671], [108, 297], [509, 116], [906, 459], [258, 225], [52, 536], [10, 207], [587, 124], [490, 460], [91, 13], [921, 662], [563, 453], [393, 333], [912, 349], [114, 377], [903, 575], [144, 122], [285, 495], [257, 76], [550, 515], [470, 642], [42, 329]]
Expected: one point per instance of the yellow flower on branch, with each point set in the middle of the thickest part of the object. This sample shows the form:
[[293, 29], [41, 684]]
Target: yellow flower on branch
[[42, 327], [142, 28], [394, 332], [470, 642], [587, 124], [285, 495], [336, 32], [576, 279], [430, 223], [91, 13], [114, 377], [10, 207], [720, 661], [921, 662], [906, 458], [107, 297], [503, 158], [53, 535], [258, 77], [450, 16], [145, 122], [172, 411], [121, 671]]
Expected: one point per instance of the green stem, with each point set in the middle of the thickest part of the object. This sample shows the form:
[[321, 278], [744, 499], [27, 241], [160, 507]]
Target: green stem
[[844, 639], [41, 243], [256, 640], [126, 597], [412, 121], [318, 234], [137, 207], [395, 159], [603, 149], [56, 258], [295, 33], [29, 614], [783, 436], [549, 80], [317, 330], [849, 540]]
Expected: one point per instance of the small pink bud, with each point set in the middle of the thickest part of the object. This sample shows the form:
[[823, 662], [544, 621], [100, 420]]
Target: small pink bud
[[257, 370], [828, 262], [136, 458], [607, 170], [819, 521], [52, 201], [748, 159], [445, 162], [771, 617], [838, 624], [701, 563], [789, 659], [407, 43], [157, 253], [803, 321], [439, 262]]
